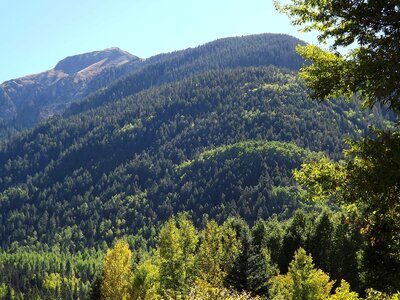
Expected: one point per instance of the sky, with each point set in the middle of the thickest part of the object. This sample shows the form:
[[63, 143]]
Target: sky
[[36, 34]]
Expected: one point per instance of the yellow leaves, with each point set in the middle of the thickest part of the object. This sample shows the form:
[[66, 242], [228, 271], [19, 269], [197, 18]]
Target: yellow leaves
[[343, 292], [281, 287], [303, 281], [375, 295], [52, 281], [146, 282], [117, 272], [203, 290], [176, 254], [210, 255]]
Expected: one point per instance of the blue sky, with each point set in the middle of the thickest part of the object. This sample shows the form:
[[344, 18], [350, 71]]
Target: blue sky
[[37, 34]]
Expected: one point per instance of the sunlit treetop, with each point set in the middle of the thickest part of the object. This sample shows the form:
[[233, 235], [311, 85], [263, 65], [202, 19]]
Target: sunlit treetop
[[370, 68]]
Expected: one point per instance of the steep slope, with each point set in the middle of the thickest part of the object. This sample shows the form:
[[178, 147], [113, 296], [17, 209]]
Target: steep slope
[[25, 101], [120, 168], [246, 51]]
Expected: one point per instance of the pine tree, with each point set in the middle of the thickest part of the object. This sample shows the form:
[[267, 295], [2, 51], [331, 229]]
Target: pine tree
[[261, 266], [237, 276]]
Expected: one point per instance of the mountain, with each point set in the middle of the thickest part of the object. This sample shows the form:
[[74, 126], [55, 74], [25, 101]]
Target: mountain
[[235, 52], [214, 131], [121, 168], [27, 100]]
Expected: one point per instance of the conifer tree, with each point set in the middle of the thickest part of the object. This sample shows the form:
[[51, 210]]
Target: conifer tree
[[261, 266], [239, 273]]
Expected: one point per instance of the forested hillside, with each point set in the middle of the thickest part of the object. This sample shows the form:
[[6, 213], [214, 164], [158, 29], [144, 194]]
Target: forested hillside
[[247, 51], [216, 132], [79, 178], [26, 101]]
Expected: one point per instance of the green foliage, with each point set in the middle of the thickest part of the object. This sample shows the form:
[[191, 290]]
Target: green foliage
[[176, 254], [202, 291], [3, 290], [262, 267], [302, 281], [369, 68], [210, 255], [52, 281], [343, 292], [26, 272], [375, 295], [367, 183], [116, 83], [228, 53], [117, 273], [80, 181], [148, 147], [369, 175], [146, 281]]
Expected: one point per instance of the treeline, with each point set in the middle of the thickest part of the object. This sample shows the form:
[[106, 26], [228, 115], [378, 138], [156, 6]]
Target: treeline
[[51, 274], [141, 74], [316, 253], [232, 256], [117, 170], [310, 256]]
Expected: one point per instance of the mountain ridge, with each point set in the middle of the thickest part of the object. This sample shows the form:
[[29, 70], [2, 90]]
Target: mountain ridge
[[76, 79]]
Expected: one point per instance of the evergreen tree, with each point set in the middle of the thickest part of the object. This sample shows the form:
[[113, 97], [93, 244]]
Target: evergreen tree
[[10, 294], [321, 241], [95, 289], [295, 236], [261, 266], [238, 275]]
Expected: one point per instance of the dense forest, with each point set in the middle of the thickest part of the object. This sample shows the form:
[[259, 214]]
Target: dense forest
[[44, 94], [205, 144], [176, 181], [246, 257]]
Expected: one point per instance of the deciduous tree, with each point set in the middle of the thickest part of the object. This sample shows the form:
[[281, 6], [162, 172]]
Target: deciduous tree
[[117, 272], [302, 282], [368, 182]]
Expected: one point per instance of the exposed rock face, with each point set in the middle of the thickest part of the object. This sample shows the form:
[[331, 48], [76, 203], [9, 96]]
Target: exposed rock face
[[25, 101]]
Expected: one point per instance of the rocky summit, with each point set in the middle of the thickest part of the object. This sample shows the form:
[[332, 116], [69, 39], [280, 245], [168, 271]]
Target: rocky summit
[[27, 100]]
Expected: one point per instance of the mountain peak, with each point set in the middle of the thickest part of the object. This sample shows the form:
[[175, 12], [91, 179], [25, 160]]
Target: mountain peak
[[106, 58]]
